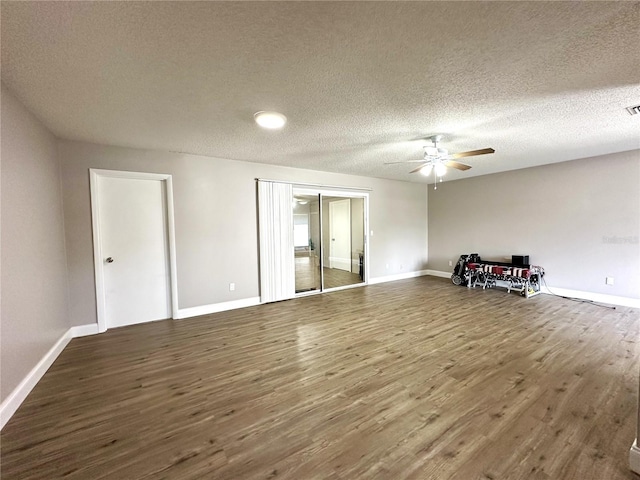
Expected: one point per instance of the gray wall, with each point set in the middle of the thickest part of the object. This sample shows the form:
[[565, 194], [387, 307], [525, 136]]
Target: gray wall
[[34, 280], [579, 220], [215, 221]]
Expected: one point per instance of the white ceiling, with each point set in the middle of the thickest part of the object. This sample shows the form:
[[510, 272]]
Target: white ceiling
[[360, 82]]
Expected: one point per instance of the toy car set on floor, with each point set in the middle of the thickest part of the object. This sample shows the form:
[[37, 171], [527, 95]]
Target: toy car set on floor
[[518, 275]]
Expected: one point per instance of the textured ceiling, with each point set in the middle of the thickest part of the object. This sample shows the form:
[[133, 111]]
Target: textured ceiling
[[360, 82]]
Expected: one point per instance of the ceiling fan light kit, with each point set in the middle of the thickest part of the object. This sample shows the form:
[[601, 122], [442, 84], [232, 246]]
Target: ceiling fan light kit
[[431, 151], [437, 160], [426, 170]]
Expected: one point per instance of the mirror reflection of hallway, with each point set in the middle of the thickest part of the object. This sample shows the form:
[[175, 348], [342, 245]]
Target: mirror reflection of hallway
[[340, 234], [343, 233]]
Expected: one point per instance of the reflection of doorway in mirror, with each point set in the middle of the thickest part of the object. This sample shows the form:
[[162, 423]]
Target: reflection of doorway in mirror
[[340, 234], [342, 219]]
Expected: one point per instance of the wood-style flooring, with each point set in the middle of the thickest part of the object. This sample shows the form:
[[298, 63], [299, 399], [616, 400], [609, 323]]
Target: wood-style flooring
[[415, 379], [334, 277], [308, 275]]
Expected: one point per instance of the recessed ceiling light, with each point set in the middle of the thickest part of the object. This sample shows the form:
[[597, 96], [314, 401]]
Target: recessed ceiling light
[[271, 120]]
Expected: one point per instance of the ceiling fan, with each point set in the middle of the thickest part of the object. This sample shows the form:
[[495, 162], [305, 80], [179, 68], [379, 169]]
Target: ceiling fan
[[437, 159]]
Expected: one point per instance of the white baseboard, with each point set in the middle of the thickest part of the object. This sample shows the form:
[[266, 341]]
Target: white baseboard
[[19, 394], [84, 330], [217, 307], [439, 273], [594, 297], [344, 287], [399, 276], [340, 263], [355, 266], [634, 457], [564, 292]]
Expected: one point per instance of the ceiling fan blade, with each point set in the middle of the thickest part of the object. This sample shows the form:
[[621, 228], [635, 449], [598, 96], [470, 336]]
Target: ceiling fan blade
[[418, 169], [472, 153], [404, 161], [457, 165]]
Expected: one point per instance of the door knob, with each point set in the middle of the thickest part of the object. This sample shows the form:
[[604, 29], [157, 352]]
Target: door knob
[[109, 260]]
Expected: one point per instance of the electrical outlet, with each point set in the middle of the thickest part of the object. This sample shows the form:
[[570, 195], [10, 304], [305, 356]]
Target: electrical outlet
[[387, 266], [232, 287], [450, 263], [609, 280]]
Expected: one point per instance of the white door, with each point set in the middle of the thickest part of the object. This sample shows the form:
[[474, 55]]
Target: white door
[[340, 234], [132, 218]]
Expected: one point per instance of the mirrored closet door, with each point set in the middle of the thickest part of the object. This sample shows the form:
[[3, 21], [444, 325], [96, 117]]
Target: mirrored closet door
[[306, 242], [329, 239]]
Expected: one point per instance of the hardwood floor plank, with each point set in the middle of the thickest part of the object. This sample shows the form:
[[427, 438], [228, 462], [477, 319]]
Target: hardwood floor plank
[[416, 379]]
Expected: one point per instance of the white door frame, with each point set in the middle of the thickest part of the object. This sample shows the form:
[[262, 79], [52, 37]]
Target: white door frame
[[94, 174]]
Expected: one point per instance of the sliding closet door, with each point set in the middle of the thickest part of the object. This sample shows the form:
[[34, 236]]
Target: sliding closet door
[[310, 240], [343, 233], [306, 232], [275, 223]]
